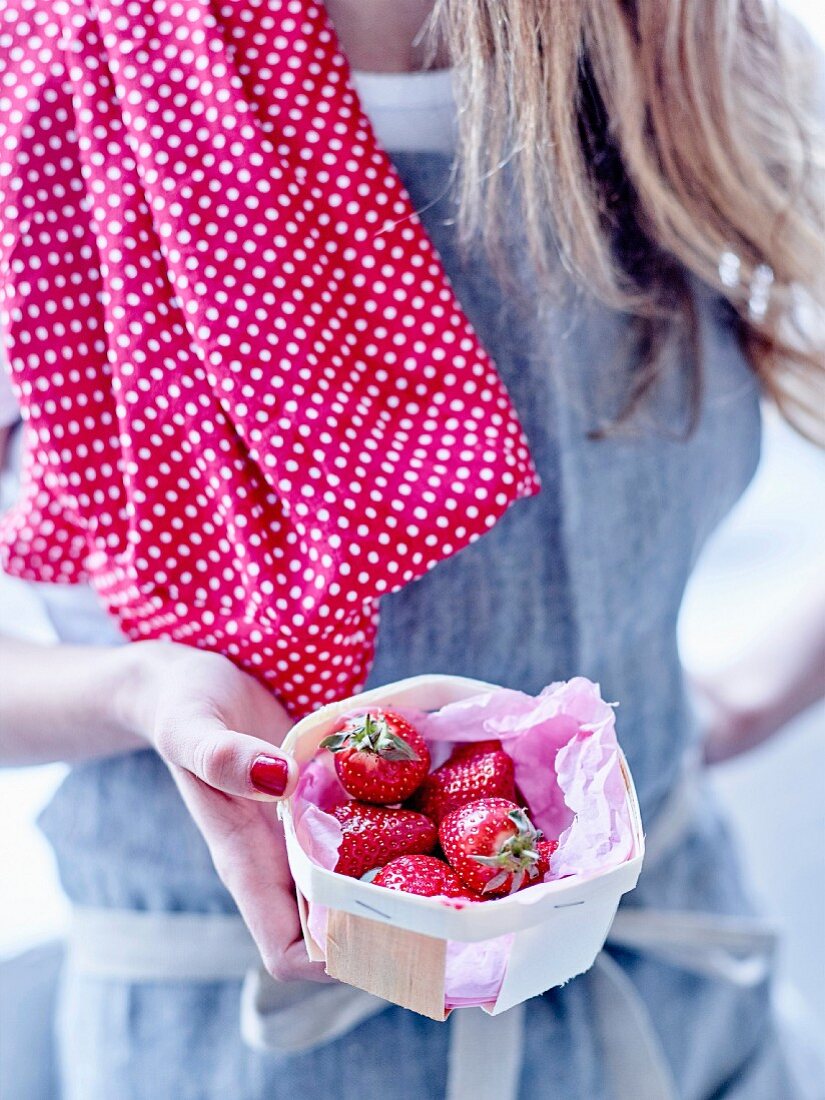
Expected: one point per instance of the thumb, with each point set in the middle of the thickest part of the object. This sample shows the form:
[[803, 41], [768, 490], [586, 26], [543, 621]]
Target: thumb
[[232, 762]]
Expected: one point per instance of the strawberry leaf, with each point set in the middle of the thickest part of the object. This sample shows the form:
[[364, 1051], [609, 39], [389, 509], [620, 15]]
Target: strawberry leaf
[[371, 733], [393, 747], [518, 880], [496, 882], [501, 860], [335, 742]]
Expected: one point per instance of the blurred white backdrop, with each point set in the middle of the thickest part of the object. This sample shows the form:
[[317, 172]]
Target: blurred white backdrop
[[757, 564]]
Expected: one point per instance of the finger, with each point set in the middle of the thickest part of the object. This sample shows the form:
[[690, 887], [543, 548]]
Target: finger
[[281, 942], [235, 763], [296, 966], [253, 866], [246, 843]]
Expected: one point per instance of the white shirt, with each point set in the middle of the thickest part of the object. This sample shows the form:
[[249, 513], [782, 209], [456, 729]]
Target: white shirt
[[410, 111]]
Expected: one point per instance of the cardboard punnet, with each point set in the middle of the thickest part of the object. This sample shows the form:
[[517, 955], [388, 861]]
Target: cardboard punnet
[[394, 944]]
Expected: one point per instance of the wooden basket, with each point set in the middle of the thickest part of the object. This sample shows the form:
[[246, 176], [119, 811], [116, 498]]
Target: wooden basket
[[394, 944]]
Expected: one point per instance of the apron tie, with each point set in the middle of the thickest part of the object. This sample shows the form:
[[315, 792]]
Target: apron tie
[[739, 950], [471, 1072], [291, 1017], [637, 1065]]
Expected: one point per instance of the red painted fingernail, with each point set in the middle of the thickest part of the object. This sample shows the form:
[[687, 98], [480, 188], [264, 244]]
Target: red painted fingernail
[[269, 774]]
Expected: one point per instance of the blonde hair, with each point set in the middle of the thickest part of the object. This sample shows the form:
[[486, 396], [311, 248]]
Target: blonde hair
[[649, 138]]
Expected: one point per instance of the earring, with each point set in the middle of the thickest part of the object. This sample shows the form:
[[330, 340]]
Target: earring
[[729, 268], [759, 288], [760, 292]]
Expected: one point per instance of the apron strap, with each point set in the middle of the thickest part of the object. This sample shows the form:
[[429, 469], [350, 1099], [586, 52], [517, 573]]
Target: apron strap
[[290, 1017], [739, 950], [636, 1063], [158, 946], [682, 806], [485, 1055], [298, 1016]]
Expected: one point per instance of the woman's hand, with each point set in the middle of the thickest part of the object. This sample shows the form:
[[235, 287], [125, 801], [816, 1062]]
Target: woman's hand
[[218, 730], [731, 726]]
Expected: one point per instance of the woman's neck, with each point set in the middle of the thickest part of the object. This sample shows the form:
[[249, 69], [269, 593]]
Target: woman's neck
[[380, 36]]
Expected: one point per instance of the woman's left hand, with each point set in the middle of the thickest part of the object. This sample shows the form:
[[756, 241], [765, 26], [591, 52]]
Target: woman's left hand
[[731, 726], [779, 676]]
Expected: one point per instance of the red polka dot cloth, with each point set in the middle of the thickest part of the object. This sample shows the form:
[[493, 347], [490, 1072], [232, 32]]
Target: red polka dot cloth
[[253, 404]]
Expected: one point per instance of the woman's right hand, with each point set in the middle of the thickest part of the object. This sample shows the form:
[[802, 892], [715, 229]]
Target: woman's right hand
[[219, 730]]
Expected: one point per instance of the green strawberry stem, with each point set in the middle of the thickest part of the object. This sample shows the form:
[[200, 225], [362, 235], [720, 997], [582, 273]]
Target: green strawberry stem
[[371, 733], [517, 856]]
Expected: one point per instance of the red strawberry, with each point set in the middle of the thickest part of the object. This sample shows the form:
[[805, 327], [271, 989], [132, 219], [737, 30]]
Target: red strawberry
[[492, 845], [454, 784], [373, 835], [466, 750], [423, 875], [379, 756], [545, 849]]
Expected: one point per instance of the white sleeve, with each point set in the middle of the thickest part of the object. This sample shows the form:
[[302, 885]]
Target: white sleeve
[[9, 409]]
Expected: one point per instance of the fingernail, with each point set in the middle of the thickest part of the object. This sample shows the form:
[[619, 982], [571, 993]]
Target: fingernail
[[269, 774]]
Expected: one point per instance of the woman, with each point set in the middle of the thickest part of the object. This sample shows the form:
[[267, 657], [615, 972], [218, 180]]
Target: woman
[[658, 157]]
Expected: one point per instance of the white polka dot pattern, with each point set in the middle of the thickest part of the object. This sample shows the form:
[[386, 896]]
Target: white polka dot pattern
[[253, 402]]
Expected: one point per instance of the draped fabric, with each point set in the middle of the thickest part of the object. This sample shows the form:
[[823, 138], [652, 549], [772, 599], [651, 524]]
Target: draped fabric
[[253, 404]]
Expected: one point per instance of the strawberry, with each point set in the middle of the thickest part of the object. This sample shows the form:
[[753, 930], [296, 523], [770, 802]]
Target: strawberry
[[492, 846], [545, 849], [463, 780], [373, 835], [379, 756], [466, 750], [423, 875]]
